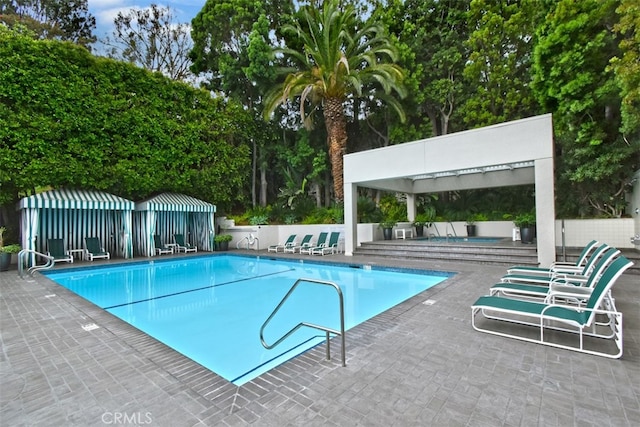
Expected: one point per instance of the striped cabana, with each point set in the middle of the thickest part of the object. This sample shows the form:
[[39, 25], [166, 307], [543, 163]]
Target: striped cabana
[[72, 215], [168, 214]]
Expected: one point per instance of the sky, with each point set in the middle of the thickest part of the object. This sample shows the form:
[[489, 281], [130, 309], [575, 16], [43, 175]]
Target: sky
[[105, 11]]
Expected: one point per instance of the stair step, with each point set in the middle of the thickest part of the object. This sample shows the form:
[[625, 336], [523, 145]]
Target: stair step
[[505, 253], [484, 254]]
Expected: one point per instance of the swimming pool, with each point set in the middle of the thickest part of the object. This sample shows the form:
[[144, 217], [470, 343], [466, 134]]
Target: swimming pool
[[210, 308]]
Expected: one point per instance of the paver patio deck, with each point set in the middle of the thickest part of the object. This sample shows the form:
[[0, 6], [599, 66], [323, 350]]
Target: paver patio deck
[[414, 365]]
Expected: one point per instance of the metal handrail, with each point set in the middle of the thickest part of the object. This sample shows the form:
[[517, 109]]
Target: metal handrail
[[452, 229], [435, 227], [21, 262], [251, 240], [310, 325]]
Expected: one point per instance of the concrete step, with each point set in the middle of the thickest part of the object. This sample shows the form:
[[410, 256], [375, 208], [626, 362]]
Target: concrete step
[[485, 254], [504, 253]]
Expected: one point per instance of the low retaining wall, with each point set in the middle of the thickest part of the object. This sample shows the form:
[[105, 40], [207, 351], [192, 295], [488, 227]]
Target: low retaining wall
[[577, 232]]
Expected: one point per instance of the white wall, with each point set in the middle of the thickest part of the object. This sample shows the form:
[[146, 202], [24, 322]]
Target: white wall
[[578, 232], [276, 234]]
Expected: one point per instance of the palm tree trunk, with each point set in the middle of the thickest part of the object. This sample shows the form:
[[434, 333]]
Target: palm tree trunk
[[336, 125]]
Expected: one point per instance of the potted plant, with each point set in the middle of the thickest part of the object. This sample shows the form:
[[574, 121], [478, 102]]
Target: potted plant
[[423, 219], [526, 222], [6, 251], [387, 227], [471, 223], [222, 241]]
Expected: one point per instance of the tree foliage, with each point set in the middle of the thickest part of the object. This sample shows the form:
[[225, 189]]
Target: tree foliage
[[497, 70], [335, 57], [228, 37], [152, 39], [575, 47], [468, 63], [627, 67], [233, 41], [68, 119], [431, 38], [51, 19]]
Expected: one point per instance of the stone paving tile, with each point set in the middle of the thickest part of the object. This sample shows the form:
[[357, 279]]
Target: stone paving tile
[[413, 365]]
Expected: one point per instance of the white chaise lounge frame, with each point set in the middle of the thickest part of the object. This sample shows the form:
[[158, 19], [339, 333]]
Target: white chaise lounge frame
[[550, 316]]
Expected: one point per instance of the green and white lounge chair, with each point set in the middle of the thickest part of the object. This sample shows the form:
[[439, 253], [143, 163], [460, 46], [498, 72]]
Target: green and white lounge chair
[[183, 246], [160, 247], [578, 321], [330, 248], [306, 242], [322, 239], [560, 287], [578, 277], [56, 249], [291, 242], [94, 249], [558, 267]]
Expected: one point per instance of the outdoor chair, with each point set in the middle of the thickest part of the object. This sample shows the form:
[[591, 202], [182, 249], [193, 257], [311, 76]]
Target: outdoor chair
[[330, 248], [322, 239], [580, 276], [560, 287], [94, 249], [291, 242], [56, 249], [160, 248], [182, 246], [306, 242], [558, 267], [576, 320]]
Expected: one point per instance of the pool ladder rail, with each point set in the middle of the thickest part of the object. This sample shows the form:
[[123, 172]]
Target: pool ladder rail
[[446, 232], [327, 330], [250, 240], [31, 270]]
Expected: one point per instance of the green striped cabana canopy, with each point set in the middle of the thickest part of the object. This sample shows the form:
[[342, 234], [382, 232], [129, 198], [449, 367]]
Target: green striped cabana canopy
[[170, 213], [73, 215]]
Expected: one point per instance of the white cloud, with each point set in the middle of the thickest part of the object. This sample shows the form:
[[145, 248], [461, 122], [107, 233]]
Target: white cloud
[[105, 11], [103, 4]]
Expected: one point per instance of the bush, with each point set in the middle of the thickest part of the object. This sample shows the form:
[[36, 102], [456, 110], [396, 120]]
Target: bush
[[222, 238], [11, 249], [525, 220]]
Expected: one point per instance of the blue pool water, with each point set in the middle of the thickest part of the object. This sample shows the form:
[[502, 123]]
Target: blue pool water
[[211, 308]]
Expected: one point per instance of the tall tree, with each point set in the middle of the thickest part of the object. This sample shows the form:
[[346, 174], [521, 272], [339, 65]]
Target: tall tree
[[627, 67], [52, 19], [152, 39], [433, 33], [334, 58], [223, 32], [497, 71], [232, 49], [575, 47]]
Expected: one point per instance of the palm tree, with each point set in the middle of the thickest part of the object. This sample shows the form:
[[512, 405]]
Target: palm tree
[[339, 57]]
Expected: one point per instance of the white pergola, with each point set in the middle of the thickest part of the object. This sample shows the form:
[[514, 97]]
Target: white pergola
[[513, 153]]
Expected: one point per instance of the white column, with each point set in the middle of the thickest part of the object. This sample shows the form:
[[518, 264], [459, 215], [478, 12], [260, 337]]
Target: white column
[[545, 211], [350, 218], [411, 206]]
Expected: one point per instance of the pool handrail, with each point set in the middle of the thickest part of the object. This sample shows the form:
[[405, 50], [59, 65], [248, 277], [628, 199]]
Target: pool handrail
[[310, 325], [449, 223], [21, 262], [251, 240]]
